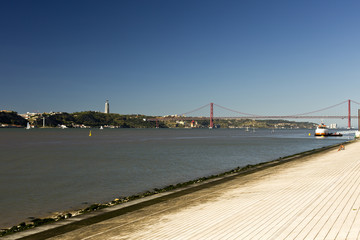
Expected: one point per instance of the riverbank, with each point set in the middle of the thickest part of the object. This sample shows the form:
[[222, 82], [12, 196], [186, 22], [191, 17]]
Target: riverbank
[[182, 188]]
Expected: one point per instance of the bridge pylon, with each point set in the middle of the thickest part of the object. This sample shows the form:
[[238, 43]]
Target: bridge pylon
[[211, 115], [349, 114]]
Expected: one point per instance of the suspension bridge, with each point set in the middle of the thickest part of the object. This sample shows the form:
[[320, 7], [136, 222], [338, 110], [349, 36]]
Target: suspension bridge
[[242, 115]]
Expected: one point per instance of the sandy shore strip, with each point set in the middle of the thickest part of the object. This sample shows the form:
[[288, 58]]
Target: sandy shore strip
[[314, 197]]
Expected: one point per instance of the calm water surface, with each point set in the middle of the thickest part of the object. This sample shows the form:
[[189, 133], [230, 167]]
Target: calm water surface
[[48, 170]]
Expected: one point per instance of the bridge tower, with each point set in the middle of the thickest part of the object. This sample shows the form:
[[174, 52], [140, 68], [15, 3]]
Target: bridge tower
[[349, 114], [211, 115]]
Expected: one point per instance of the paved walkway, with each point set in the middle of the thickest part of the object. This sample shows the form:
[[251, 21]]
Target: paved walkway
[[316, 197]]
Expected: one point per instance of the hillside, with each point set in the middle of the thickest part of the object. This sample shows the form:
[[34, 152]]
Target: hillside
[[95, 119], [11, 119], [243, 123]]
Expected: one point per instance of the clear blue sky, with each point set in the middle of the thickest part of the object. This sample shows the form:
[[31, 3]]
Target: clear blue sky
[[162, 57]]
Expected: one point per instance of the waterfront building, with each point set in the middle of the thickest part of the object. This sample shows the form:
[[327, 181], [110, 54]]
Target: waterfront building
[[107, 107]]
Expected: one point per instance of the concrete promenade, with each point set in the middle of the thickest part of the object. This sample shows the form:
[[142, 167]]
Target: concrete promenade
[[314, 197]]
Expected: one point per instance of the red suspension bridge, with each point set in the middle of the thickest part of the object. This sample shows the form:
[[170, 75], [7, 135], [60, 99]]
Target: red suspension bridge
[[241, 115]]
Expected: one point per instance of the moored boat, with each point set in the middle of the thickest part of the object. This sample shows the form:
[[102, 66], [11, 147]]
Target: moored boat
[[335, 135]]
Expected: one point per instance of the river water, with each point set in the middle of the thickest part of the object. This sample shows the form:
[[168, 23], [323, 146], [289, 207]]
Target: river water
[[48, 170]]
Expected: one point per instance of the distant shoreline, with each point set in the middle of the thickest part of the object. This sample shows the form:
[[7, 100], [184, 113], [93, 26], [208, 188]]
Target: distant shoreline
[[92, 119]]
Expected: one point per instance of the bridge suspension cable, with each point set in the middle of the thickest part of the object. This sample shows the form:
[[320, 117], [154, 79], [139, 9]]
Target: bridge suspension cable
[[255, 115], [197, 109], [355, 102], [235, 111], [323, 109]]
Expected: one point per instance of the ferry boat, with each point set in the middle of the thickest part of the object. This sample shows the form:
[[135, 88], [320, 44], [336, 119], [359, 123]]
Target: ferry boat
[[322, 130]]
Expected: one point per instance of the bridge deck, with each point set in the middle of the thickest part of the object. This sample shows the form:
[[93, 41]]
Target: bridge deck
[[316, 197]]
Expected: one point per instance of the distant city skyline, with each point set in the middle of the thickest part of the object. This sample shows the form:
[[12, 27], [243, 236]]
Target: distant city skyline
[[169, 57]]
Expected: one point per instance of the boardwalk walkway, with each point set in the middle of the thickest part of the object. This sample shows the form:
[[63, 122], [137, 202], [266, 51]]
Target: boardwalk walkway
[[315, 197]]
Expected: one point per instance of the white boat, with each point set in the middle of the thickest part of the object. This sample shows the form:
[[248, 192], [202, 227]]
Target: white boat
[[28, 126], [322, 130], [101, 128]]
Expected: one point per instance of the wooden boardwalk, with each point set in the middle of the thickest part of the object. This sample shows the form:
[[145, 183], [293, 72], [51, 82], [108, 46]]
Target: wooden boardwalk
[[316, 197]]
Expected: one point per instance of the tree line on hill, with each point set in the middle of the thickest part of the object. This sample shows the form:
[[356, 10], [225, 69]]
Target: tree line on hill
[[11, 119], [96, 119]]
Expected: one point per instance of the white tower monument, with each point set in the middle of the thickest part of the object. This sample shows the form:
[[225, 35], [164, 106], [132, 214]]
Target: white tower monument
[[107, 108]]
